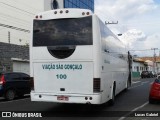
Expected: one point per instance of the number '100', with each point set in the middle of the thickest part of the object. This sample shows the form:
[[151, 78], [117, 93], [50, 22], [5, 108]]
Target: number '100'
[[61, 76]]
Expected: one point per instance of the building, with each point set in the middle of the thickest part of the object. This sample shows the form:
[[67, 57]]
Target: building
[[14, 58], [86, 4], [143, 64], [150, 61], [137, 67], [55, 4]]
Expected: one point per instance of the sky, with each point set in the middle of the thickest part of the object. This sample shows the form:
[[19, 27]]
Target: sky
[[138, 21]]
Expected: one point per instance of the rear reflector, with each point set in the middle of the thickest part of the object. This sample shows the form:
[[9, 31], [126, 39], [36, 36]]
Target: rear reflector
[[96, 85]]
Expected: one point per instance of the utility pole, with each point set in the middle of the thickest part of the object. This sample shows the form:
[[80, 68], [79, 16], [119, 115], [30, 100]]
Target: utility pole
[[154, 61]]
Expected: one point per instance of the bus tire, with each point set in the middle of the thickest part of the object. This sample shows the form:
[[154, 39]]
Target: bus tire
[[112, 101]]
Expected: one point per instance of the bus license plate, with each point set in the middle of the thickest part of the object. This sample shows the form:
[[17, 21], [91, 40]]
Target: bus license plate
[[63, 98]]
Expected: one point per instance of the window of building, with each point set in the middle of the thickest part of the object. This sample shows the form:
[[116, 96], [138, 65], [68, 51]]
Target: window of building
[[137, 68], [86, 4]]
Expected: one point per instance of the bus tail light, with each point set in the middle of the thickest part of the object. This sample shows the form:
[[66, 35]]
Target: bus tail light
[[32, 83], [96, 85], [2, 80]]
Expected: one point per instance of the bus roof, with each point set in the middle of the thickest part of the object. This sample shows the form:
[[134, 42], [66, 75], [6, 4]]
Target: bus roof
[[63, 13]]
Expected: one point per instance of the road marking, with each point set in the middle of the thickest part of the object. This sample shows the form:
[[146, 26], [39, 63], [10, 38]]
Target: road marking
[[151, 83], [145, 82], [134, 82], [142, 83], [125, 116], [13, 101]]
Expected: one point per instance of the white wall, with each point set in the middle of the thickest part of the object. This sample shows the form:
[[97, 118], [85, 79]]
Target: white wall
[[140, 66], [19, 66]]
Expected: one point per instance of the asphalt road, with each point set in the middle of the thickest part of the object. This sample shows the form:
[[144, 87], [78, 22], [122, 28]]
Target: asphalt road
[[127, 105]]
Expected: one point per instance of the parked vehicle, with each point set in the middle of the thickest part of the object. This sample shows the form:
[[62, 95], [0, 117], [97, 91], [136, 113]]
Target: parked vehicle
[[147, 74], [155, 74], [14, 84], [155, 90], [151, 74], [158, 73]]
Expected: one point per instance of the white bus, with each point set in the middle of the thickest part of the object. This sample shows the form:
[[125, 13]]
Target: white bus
[[75, 58]]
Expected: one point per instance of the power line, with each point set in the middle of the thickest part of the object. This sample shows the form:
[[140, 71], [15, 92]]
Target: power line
[[9, 16], [12, 22], [15, 28], [37, 10], [16, 8], [14, 11]]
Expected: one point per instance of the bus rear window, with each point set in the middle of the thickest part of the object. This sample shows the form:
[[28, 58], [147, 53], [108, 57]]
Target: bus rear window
[[60, 32]]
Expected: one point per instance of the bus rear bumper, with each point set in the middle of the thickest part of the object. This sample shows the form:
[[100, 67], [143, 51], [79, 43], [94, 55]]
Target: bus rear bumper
[[67, 98]]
